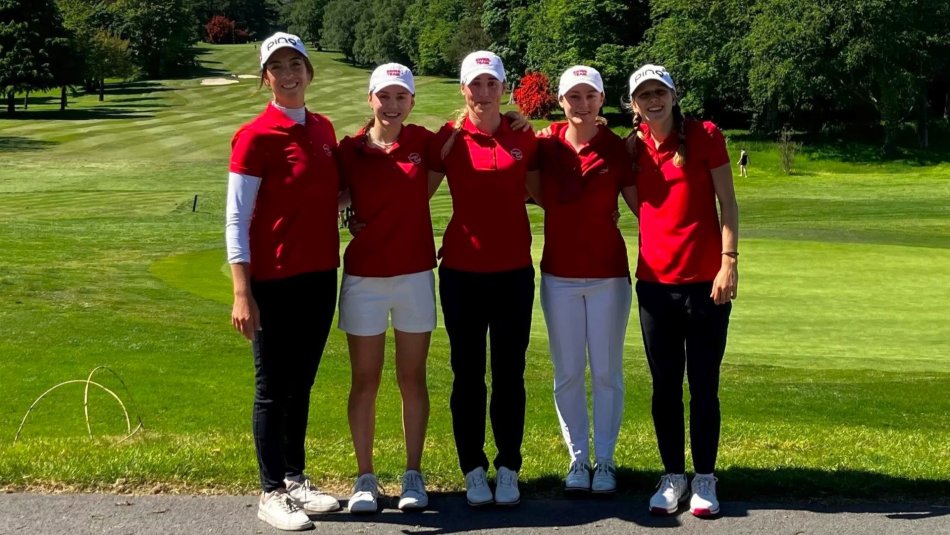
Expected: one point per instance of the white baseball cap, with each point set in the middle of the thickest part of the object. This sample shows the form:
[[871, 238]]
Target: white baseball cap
[[579, 74], [392, 74], [650, 72], [281, 40], [482, 62]]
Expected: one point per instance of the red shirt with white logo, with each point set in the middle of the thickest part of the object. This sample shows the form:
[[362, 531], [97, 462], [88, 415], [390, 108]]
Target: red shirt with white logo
[[489, 230], [293, 228], [390, 196], [579, 192], [680, 235]]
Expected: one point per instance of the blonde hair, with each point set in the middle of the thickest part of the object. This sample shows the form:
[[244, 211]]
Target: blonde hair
[[460, 116]]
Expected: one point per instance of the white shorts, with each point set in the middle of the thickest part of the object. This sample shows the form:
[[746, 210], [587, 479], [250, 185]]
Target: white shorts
[[366, 303]]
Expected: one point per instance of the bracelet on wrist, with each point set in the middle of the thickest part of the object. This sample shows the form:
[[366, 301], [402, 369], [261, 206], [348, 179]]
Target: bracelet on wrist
[[731, 254]]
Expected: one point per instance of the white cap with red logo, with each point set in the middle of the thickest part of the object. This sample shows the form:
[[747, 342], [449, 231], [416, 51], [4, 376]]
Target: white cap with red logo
[[482, 62], [281, 40], [579, 74], [651, 72], [392, 74]]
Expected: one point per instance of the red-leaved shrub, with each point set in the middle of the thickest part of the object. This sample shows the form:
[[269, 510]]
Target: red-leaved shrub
[[534, 97], [219, 29]]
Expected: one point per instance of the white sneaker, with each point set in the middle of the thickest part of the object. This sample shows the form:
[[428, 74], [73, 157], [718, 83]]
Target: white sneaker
[[476, 488], [278, 509], [670, 492], [578, 478], [605, 478], [413, 495], [365, 495], [704, 502], [506, 487], [310, 498]]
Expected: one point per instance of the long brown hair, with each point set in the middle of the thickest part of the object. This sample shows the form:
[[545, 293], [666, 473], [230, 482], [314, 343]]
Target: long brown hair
[[679, 123]]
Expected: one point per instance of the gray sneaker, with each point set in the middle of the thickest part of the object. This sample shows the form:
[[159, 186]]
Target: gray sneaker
[[413, 497], [578, 478], [365, 495], [477, 491], [605, 478], [506, 487], [704, 502], [310, 498]]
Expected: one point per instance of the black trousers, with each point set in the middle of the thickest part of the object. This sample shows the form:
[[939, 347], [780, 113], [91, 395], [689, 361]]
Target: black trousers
[[296, 314], [684, 330], [498, 305]]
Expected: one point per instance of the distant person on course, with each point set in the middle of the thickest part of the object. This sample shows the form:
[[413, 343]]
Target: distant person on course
[[283, 247], [486, 279], [387, 272], [686, 279], [743, 162], [585, 277]]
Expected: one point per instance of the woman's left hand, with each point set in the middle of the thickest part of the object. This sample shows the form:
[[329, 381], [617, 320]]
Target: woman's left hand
[[518, 122], [725, 287]]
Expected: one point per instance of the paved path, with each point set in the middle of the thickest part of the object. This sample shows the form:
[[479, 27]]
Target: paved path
[[74, 514]]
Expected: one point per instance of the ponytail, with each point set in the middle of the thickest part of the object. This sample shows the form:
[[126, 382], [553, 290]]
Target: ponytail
[[369, 125], [449, 143], [679, 159]]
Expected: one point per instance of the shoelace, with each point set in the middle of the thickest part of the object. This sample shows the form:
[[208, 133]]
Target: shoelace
[[579, 469], [285, 502], [506, 478], [413, 481], [666, 482], [604, 468], [366, 484], [704, 485], [476, 481]]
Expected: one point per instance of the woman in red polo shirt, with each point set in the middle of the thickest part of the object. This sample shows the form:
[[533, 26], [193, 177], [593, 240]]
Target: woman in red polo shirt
[[686, 279], [486, 280], [283, 247], [585, 278], [387, 271]]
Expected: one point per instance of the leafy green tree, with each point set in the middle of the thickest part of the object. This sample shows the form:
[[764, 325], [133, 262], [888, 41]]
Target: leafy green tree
[[260, 18], [377, 38], [32, 39], [438, 34], [305, 18], [108, 58], [339, 25], [161, 35]]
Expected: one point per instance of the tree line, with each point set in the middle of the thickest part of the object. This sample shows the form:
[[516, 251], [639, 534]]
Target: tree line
[[765, 64]]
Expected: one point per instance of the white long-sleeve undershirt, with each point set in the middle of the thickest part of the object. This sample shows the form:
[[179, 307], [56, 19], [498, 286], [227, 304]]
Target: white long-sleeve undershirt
[[241, 197]]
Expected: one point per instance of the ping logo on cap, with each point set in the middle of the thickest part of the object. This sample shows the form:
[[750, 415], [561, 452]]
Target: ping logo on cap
[[483, 61], [656, 72], [393, 72], [289, 40], [580, 72]]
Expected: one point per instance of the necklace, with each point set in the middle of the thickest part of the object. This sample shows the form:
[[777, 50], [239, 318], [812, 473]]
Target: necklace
[[378, 143]]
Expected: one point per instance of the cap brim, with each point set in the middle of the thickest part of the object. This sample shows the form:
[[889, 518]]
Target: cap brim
[[278, 47], [647, 79], [472, 75], [561, 93], [391, 83]]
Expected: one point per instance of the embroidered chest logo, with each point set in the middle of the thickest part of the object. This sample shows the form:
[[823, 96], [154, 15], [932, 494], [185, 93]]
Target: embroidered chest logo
[[415, 158], [516, 154], [603, 171], [326, 149]]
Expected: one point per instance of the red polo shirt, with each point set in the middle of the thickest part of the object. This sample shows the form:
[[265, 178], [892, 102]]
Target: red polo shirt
[[293, 228], [680, 235], [390, 196], [489, 230], [579, 191]]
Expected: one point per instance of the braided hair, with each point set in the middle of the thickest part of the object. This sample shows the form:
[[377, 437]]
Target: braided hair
[[632, 137], [679, 159], [449, 143]]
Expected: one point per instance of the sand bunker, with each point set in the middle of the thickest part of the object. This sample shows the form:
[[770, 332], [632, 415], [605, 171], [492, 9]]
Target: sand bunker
[[248, 76], [218, 81]]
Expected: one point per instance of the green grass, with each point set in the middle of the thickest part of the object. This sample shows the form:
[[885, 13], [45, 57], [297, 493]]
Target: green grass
[[834, 385]]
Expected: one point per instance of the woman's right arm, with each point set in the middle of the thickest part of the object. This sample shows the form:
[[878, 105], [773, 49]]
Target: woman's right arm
[[241, 198], [435, 180]]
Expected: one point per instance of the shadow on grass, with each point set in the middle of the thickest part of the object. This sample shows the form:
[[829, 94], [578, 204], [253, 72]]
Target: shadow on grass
[[23, 144], [806, 490], [83, 114]]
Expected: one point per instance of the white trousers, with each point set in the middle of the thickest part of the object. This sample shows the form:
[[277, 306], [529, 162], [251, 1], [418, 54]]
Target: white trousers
[[587, 317]]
